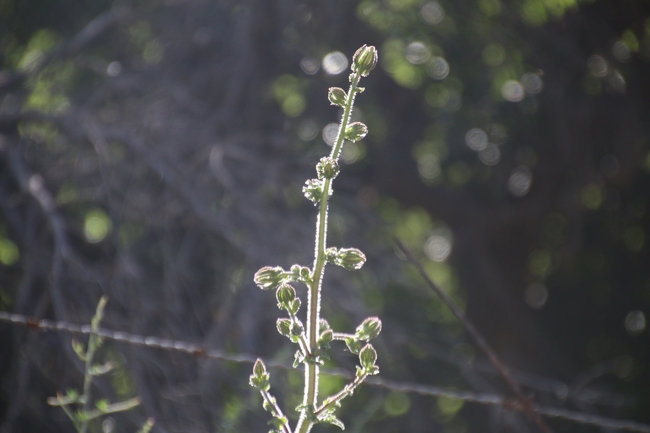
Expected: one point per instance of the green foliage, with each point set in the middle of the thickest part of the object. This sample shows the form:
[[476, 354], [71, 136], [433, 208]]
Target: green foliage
[[82, 416]]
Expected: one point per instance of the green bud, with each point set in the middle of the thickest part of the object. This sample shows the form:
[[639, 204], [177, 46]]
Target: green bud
[[368, 357], [325, 338], [350, 258], [369, 329], [331, 255], [337, 96], [294, 306], [356, 131], [285, 295], [327, 168], [364, 60], [260, 378], [323, 326], [353, 345], [297, 329], [284, 327], [259, 368], [313, 190], [301, 273], [269, 278]]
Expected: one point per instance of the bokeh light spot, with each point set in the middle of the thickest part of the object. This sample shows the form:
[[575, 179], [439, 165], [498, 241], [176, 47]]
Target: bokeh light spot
[[539, 263], [9, 253], [491, 155], [96, 225], [335, 62], [476, 139], [591, 196], [309, 65], [429, 167], [438, 68], [417, 53], [330, 132], [432, 13], [634, 238], [308, 130], [635, 322], [520, 181], [513, 91], [397, 403], [438, 245], [598, 66], [113, 69], [536, 295], [493, 54], [532, 83]]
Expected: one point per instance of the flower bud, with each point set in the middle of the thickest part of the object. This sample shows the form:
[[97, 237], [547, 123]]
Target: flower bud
[[337, 96], [367, 357], [260, 378], [285, 295], [313, 190], [327, 168], [369, 329], [297, 329], [301, 273], [323, 326], [331, 255], [325, 338], [364, 60], [350, 258], [269, 278], [293, 306], [284, 327], [356, 131]]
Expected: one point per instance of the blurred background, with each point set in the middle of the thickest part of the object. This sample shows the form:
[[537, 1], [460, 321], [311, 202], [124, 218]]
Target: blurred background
[[155, 151]]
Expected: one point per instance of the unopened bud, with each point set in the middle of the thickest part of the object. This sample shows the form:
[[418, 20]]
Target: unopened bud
[[364, 60], [367, 356], [294, 306], [285, 295], [323, 325], [297, 329], [356, 131], [284, 327], [369, 329], [327, 168], [301, 273], [269, 278], [350, 258], [260, 378], [313, 190], [259, 368], [337, 96], [325, 338]]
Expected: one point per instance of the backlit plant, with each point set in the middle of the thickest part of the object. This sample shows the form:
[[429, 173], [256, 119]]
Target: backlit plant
[[314, 340]]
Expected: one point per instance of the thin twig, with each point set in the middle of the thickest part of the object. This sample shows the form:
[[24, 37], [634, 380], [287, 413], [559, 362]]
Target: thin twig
[[527, 402], [428, 390]]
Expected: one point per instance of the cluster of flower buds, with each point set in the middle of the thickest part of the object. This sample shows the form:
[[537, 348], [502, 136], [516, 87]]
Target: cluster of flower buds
[[369, 329], [327, 168], [351, 259]]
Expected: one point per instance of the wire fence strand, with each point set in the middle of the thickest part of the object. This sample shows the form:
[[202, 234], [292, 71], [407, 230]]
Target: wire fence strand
[[200, 351]]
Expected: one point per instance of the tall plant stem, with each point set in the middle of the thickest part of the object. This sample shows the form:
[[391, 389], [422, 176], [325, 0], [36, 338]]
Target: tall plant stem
[[313, 297]]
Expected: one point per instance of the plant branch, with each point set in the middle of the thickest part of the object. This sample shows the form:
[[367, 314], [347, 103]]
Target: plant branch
[[528, 402]]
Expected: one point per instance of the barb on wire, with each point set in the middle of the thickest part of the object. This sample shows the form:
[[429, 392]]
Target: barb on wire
[[530, 407], [201, 351]]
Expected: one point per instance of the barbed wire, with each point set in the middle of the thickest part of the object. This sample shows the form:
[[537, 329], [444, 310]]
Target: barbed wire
[[200, 351]]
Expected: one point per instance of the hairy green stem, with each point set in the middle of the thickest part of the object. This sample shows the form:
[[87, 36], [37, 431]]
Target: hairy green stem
[[313, 297]]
